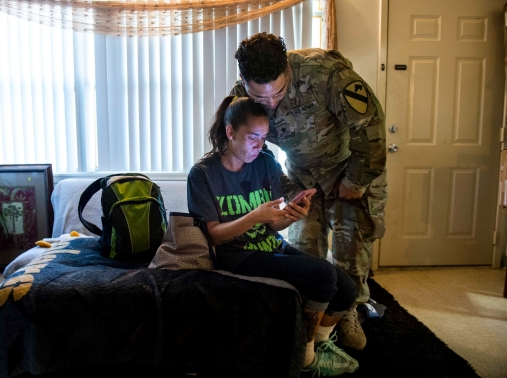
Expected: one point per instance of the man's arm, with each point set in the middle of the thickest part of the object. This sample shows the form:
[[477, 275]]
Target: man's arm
[[368, 155], [367, 132]]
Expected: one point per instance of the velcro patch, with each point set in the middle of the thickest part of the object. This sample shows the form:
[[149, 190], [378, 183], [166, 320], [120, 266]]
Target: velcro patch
[[357, 96]]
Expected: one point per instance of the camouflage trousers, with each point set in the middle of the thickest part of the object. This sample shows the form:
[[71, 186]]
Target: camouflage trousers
[[354, 225]]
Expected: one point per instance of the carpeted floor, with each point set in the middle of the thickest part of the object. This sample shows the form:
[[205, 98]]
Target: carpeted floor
[[399, 345]]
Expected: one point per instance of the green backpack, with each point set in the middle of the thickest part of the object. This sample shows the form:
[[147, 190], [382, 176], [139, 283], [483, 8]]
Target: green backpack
[[134, 217]]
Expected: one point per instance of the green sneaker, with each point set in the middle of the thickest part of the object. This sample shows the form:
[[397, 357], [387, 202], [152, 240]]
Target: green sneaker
[[330, 364], [349, 363]]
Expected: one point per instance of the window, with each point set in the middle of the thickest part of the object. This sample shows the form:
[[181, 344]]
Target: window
[[90, 104]]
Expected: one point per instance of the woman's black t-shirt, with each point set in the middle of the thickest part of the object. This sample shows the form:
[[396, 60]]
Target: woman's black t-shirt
[[217, 194]]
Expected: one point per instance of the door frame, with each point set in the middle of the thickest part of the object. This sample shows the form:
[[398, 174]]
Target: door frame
[[381, 95]]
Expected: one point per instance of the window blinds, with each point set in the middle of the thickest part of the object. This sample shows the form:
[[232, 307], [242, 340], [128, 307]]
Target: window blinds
[[94, 103]]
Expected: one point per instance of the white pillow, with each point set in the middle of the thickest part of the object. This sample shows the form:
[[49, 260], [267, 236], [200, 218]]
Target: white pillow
[[65, 201]]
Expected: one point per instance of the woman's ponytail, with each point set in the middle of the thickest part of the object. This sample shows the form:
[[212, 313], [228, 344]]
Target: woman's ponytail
[[217, 135]]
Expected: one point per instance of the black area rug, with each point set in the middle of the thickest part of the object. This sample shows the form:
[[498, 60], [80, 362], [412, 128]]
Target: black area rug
[[399, 345]]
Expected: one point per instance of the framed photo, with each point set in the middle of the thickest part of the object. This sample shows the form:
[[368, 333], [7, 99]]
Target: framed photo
[[26, 213]]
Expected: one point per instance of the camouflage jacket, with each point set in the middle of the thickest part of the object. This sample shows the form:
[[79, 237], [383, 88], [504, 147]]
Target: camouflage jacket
[[330, 124]]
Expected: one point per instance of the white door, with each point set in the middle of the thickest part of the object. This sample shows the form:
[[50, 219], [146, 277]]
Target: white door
[[446, 108]]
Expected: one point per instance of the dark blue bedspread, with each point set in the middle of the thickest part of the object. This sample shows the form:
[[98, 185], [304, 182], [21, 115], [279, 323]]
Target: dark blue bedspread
[[72, 308]]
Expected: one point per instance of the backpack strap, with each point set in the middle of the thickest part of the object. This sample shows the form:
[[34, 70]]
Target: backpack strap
[[83, 200]]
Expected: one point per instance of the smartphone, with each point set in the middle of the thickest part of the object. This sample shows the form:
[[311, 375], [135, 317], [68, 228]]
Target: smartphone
[[299, 198]]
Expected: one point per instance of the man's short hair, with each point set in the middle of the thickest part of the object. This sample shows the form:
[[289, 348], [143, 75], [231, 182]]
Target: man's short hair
[[262, 58]]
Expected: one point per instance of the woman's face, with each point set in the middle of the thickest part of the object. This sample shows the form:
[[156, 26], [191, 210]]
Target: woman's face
[[246, 142]]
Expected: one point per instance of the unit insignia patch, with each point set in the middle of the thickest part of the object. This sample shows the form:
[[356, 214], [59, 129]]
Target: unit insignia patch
[[357, 97]]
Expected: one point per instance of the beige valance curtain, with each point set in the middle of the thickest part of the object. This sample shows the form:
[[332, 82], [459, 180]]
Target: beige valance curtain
[[329, 32], [142, 18]]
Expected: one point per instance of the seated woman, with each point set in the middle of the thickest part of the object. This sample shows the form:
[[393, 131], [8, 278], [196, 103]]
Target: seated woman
[[235, 188]]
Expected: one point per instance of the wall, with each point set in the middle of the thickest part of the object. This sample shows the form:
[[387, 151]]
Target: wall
[[358, 28], [360, 40]]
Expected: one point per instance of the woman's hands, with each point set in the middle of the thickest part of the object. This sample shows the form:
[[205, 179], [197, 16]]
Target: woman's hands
[[292, 213], [269, 213], [295, 212]]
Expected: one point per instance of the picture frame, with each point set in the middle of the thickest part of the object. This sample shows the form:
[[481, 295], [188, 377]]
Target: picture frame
[[26, 213]]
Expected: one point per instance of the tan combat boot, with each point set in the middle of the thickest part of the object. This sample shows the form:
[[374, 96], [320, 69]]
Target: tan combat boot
[[350, 332]]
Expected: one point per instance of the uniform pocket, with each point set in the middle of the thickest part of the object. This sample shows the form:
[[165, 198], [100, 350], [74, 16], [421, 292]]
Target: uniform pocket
[[376, 195], [376, 213]]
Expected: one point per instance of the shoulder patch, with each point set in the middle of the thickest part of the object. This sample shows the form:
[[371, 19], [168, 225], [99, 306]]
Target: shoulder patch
[[357, 96]]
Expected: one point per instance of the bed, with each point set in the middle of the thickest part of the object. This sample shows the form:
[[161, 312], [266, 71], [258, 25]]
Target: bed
[[67, 308]]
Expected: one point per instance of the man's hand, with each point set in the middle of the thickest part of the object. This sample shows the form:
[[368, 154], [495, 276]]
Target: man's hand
[[342, 192]]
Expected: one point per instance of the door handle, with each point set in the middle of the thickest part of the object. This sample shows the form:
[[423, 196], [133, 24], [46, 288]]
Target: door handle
[[392, 148]]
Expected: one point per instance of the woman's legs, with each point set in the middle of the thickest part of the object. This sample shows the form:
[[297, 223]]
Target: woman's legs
[[326, 327], [313, 277], [339, 304], [319, 283], [313, 319], [335, 312]]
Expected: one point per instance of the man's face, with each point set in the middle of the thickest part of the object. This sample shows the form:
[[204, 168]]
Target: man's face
[[269, 94]]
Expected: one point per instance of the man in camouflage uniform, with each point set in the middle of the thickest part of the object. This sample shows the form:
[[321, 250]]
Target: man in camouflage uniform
[[332, 128]]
